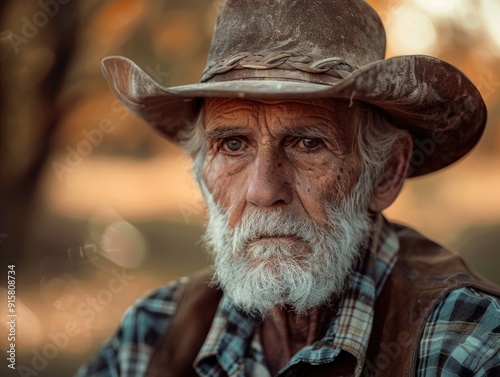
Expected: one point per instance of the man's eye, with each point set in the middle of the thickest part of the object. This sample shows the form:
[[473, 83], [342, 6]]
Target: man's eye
[[232, 145], [310, 143]]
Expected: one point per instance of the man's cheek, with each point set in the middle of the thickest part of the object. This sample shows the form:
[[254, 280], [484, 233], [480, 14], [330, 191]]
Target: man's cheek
[[227, 190], [233, 198], [313, 193], [212, 174], [218, 168]]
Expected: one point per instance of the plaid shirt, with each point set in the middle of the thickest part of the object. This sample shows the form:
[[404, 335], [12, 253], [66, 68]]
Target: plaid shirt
[[461, 337]]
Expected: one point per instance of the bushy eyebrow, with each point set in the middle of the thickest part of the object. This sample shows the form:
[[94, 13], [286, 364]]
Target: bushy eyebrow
[[309, 132], [224, 132]]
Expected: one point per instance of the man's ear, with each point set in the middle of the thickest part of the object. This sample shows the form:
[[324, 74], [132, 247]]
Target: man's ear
[[389, 184]]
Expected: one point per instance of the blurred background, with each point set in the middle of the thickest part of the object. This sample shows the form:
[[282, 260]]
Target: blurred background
[[96, 209]]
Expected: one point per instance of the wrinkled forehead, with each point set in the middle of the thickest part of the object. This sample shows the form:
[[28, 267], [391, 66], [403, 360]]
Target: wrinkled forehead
[[336, 115]]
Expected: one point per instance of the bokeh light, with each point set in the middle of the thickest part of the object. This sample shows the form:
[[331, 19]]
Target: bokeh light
[[123, 244], [413, 32], [490, 10], [443, 8]]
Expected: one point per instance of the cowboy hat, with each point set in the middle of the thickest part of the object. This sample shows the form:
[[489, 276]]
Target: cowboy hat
[[284, 49]]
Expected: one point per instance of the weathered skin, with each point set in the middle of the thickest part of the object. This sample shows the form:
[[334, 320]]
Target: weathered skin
[[268, 154], [273, 167]]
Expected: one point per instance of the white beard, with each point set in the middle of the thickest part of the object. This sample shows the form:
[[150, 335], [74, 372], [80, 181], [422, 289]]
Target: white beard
[[280, 272]]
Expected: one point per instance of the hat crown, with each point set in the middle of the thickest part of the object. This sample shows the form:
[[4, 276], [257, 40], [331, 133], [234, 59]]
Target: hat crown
[[347, 30]]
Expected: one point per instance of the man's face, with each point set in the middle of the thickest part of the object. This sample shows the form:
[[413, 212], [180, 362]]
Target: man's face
[[278, 176], [270, 154]]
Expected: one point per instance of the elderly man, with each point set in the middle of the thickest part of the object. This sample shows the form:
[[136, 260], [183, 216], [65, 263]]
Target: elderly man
[[301, 134]]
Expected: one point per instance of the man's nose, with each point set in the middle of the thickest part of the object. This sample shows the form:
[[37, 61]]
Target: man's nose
[[270, 180]]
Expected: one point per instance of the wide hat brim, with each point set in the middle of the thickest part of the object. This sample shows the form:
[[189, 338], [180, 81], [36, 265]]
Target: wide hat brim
[[432, 99]]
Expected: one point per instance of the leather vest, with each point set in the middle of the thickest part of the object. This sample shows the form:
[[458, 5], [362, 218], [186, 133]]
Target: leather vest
[[423, 275]]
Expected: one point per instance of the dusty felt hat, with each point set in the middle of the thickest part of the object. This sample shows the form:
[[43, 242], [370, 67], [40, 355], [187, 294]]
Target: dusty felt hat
[[289, 49]]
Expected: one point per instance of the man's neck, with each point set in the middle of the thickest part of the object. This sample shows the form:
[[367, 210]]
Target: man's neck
[[284, 333]]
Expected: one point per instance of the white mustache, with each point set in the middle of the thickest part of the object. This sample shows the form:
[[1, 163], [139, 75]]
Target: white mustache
[[278, 223]]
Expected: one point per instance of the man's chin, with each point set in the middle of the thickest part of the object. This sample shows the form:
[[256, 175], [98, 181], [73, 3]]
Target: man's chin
[[277, 265], [280, 239], [259, 309], [261, 285], [291, 249]]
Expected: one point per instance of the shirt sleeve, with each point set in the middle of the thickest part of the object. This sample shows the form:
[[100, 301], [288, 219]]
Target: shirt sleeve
[[462, 336], [128, 352]]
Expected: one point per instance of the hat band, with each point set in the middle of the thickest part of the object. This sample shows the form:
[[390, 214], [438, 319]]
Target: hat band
[[289, 61]]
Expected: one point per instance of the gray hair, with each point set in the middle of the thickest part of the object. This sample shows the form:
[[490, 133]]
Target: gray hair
[[374, 145], [377, 139]]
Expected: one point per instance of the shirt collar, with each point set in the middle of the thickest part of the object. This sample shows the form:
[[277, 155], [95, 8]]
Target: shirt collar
[[228, 341]]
